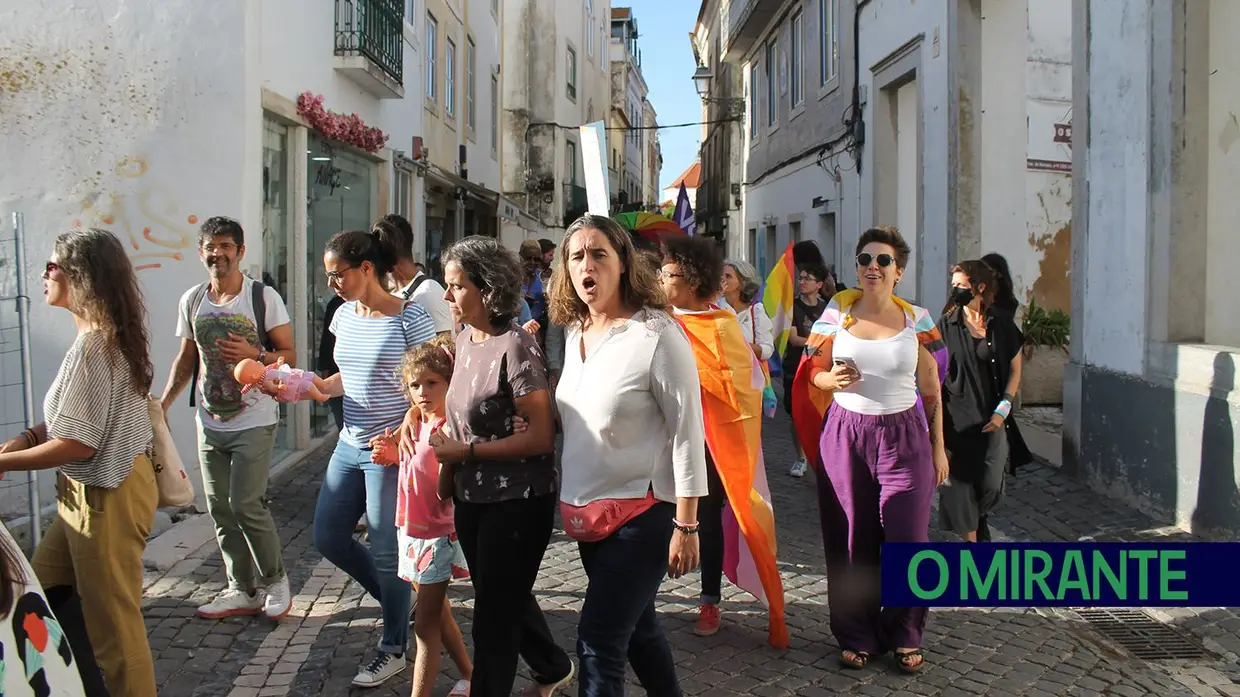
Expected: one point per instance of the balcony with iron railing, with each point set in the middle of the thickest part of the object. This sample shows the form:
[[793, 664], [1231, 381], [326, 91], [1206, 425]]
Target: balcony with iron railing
[[370, 45]]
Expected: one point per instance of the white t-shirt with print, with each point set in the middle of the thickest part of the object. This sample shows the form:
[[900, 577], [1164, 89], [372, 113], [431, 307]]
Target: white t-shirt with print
[[32, 641], [221, 406], [430, 296]]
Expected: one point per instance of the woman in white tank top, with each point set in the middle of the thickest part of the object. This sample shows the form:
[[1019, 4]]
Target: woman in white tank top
[[873, 365]]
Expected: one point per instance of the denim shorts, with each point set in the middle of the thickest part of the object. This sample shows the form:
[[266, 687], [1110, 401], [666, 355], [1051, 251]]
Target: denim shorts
[[437, 560]]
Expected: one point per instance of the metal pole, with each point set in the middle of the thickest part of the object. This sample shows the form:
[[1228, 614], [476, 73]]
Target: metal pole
[[23, 325]]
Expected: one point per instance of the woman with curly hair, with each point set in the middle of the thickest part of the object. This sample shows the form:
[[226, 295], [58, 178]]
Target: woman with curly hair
[[504, 480], [630, 496], [98, 431], [732, 396]]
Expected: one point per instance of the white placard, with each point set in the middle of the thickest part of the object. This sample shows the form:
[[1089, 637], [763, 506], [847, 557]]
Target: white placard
[[594, 158]]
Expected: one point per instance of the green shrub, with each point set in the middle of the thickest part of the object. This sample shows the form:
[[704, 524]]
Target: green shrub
[[1043, 327]]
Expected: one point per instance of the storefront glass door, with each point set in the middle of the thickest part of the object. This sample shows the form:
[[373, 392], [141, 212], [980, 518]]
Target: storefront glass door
[[276, 235], [338, 197]]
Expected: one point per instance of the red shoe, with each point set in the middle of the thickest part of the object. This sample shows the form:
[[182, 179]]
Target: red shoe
[[708, 620]]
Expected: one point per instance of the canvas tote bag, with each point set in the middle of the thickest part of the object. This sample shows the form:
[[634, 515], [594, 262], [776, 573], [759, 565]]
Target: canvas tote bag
[[175, 488]]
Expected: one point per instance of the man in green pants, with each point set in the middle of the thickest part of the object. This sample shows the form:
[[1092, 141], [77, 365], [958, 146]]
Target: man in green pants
[[229, 318]]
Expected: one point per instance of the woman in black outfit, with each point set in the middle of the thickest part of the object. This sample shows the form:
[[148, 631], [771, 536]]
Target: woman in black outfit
[[983, 377], [1005, 296]]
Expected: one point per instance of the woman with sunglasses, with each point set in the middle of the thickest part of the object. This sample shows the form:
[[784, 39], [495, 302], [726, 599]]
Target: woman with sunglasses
[[373, 330], [872, 366], [98, 433]]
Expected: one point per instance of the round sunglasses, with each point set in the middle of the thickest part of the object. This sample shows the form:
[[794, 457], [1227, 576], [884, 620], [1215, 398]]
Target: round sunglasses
[[884, 260]]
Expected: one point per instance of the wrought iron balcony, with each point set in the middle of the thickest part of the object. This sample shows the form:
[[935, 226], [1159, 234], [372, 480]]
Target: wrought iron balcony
[[370, 44]]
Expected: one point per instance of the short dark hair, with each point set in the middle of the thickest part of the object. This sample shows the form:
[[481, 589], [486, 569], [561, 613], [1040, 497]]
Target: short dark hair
[[217, 226], [546, 244], [358, 246], [396, 231], [889, 236], [818, 271], [700, 261]]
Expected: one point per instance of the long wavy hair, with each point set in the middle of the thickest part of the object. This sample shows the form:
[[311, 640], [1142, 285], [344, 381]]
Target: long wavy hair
[[639, 282], [104, 291]]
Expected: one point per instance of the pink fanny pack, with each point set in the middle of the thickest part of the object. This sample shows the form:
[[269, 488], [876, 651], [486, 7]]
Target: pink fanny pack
[[597, 520]]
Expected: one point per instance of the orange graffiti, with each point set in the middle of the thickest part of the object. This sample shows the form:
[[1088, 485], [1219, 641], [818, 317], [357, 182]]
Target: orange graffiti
[[143, 216]]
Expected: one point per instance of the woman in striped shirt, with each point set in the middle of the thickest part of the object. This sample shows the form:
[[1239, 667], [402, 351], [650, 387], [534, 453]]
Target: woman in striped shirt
[[373, 330], [98, 432]]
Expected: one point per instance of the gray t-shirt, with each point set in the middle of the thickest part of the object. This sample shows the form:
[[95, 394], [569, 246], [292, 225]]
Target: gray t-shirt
[[93, 401], [488, 379]]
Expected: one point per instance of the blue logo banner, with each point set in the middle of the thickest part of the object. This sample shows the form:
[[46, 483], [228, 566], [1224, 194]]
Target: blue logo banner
[[1061, 574]]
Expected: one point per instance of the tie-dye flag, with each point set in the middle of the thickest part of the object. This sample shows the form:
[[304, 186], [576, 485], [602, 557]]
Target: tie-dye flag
[[777, 297], [732, 385]]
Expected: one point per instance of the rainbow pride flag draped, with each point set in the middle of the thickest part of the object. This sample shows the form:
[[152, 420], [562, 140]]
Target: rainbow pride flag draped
[[810, 404], [777, 296], [732, 385]]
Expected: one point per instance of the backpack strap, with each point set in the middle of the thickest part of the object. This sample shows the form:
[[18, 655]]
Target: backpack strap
[[259, 301], [191, 310], [413, 287]]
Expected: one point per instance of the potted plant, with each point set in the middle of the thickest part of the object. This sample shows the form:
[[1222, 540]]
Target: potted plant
[[1045, 355]]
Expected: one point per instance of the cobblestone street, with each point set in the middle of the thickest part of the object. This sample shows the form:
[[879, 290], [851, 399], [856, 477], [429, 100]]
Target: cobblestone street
[[332, 628]]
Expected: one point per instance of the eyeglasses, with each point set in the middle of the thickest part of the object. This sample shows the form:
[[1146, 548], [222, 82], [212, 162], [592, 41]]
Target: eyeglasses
[[335, 276], [225, 247], [663, 274], [884, 260]]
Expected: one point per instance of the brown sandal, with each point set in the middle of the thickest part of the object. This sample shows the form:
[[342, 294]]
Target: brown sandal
[[910, 661], [858, 660]]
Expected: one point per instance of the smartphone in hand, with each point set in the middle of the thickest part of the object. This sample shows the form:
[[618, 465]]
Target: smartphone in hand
[[849, 363]]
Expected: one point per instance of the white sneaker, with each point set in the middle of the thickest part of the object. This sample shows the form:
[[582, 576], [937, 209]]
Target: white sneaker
[[279, 599], [231, 603], [798, 468], [384, 667]]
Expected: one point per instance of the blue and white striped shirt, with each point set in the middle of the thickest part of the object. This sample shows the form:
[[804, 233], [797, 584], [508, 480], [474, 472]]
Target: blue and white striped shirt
[[369, 352]]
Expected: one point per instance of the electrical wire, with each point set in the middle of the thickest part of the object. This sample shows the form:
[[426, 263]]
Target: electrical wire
[[636, 128]]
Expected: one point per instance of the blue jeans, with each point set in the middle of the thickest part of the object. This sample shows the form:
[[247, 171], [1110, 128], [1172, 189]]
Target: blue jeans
[[353, 485], [618, 620]]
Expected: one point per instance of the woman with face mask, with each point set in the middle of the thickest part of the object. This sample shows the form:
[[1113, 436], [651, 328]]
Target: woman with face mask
[[983, 377]]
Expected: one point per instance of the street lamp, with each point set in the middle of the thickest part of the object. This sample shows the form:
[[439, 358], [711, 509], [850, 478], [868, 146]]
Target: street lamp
[[734, 107]]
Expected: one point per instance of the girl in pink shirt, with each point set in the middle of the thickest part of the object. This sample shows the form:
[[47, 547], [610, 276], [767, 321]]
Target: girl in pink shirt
[[430, 555]]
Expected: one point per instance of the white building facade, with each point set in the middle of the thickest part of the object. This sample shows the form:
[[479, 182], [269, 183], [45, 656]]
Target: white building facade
[[147, 119], [1150, 404]]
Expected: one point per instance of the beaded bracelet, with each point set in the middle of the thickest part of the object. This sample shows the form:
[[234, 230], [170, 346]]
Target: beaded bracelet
[[686, 528]]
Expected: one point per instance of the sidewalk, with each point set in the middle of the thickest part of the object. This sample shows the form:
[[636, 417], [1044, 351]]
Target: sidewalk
[[333, 626]]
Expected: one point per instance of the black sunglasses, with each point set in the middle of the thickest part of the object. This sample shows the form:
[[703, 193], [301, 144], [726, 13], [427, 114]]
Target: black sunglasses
[[884, 260]]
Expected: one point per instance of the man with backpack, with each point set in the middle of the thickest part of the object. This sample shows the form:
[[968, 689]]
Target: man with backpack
[[229, 318], [409, 281]]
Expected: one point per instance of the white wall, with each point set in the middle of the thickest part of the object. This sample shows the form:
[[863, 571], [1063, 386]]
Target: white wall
[[483, 27], [132, 117], [1223, 243], [886, 26], [786, 196]]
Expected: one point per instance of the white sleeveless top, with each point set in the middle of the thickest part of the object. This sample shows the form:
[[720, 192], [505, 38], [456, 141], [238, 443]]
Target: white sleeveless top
[[888, 368]]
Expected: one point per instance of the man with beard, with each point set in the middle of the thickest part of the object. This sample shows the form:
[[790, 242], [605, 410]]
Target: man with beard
[[229, 318]]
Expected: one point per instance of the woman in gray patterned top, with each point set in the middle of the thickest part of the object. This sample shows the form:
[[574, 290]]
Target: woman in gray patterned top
[[98, 432], [505, 482]]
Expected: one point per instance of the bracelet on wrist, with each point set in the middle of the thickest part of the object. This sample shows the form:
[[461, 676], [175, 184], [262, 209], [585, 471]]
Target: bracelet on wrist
[[1004, 408], [686, 529]]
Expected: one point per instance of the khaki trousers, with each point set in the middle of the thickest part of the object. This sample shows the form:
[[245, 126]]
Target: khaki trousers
[[96, 545]]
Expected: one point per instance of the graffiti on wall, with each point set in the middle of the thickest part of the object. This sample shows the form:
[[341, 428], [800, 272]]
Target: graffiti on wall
[[151, 222]]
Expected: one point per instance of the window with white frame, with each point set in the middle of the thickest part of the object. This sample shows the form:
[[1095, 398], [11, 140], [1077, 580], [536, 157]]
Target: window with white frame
[[753, 98], [449, 79], [494, 116], [829, 48], [770, 83], [411, 6], [471, 66], [589, 27], [570, 65], [403, 186], [796, 90], [432, 35]]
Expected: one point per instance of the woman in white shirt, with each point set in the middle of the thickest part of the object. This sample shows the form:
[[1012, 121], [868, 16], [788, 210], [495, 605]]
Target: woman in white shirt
[[740, 290], [634, 452], [874, 362]]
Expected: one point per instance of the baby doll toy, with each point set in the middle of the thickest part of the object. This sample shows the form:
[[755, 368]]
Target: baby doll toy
[[287, 384]]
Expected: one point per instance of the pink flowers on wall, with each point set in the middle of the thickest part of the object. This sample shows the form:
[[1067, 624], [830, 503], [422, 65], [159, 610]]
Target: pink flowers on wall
[[348, 129]]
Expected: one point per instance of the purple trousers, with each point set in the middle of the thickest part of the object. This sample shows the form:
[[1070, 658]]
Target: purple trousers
[[876, 485]]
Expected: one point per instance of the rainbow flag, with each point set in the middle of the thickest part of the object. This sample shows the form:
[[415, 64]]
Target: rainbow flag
[[810, 404], [732, 386], [777, 296]]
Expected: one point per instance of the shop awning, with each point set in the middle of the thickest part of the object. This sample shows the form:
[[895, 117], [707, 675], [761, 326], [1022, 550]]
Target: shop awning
[[474, 190]]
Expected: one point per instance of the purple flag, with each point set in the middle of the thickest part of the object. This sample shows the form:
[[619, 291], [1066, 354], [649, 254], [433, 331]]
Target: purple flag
[[683, 215]]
